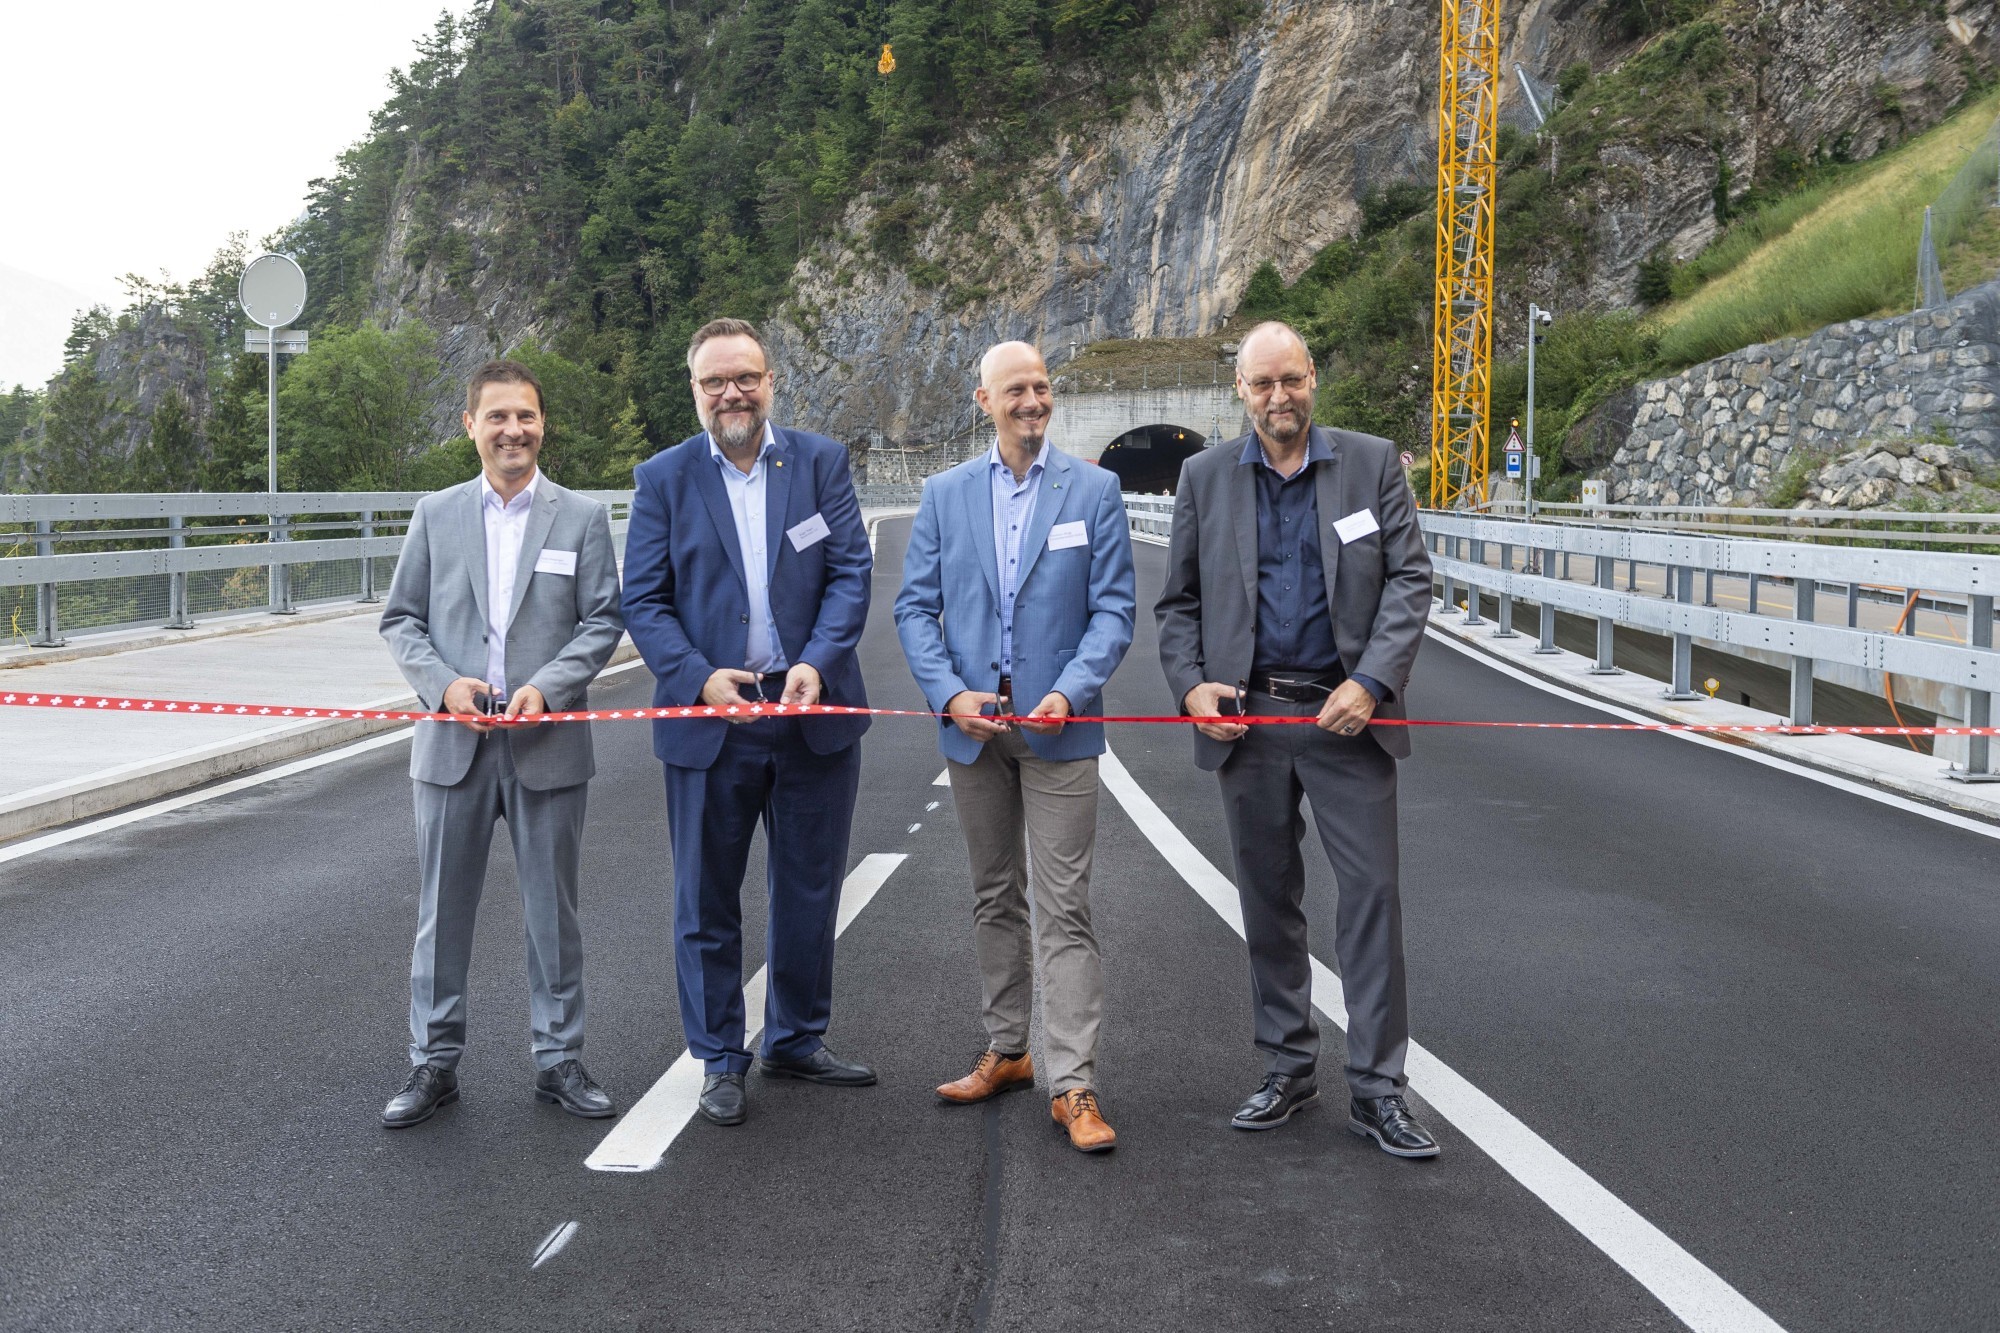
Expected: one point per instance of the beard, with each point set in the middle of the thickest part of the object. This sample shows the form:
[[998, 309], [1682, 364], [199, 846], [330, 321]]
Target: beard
[[1284, 429], [1033, 429], [735, 432]]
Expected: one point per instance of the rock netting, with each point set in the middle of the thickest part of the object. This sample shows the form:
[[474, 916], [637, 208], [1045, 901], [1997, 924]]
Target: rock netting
[[1862, 413]]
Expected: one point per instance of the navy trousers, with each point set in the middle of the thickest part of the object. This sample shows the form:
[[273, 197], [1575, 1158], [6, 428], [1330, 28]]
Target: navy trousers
[[764, 772]]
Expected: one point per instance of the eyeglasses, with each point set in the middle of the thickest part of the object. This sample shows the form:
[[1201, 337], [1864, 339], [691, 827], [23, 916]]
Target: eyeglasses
[[1292, 384], [747, 382]]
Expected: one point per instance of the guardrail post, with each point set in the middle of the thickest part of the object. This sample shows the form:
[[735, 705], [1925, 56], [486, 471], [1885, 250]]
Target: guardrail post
[[1607, 579], [281, 573], [1853, 605], [1506, 617], [1476, 554], [1547, 642], [177, 582], [1681, 588], [1804, 591], [368, 561], [1910, 596], [48, 629], [1632, 576], [1756, 582], [1448, 547], [1978, 703]]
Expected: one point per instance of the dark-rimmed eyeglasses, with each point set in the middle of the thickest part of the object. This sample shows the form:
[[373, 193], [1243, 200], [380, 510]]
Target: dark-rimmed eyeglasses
[[747, 382]]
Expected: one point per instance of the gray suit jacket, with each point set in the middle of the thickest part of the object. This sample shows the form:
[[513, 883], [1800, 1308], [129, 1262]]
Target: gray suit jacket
[[564, 627], [1378, 586]]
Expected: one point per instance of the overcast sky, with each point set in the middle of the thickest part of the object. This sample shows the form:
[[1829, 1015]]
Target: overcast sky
[[137, 135]]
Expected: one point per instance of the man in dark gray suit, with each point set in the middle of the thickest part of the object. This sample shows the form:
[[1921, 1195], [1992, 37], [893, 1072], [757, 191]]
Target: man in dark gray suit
[[506, 590], [1297, 585]]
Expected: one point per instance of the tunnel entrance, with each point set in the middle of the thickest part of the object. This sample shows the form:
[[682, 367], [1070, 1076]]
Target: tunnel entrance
[[1148, 460]]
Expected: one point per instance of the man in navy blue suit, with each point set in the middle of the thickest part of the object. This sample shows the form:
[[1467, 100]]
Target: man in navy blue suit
[[746, 577]]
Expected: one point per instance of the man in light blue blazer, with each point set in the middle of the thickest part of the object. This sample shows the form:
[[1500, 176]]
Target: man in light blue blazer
[[1018, 593]]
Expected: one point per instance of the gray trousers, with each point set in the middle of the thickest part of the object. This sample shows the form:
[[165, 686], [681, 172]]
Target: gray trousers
[[454, 834], [1351, 784], [1032, 822]]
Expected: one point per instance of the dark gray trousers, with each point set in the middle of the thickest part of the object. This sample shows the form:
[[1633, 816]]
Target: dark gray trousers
[[454, 835], [1351, 785]]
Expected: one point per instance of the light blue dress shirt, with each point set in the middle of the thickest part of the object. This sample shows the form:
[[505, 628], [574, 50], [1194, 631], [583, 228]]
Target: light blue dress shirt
[[764, 654], [1013, 509]]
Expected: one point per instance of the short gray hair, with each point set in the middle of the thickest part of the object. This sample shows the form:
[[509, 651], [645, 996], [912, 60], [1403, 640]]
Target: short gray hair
[[726, 328]]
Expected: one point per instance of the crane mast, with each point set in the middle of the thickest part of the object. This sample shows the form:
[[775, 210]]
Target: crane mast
[[1462, 323]]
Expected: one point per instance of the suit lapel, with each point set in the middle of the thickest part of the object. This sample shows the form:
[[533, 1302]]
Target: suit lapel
[[1056, 487], [1326, 495], [709, 483], [472, 529], [979, 518], [541, 518], [777, 495], [1243, 513]]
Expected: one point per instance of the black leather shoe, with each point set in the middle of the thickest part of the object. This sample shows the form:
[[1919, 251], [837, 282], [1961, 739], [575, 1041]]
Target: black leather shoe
[[722, 1099], [430, 1087], [1388, 1121], [822, 1066], [1273, 1103], [570, 1088]]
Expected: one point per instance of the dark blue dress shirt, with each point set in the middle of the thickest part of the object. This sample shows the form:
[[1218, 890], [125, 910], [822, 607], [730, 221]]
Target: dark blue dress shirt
[[1294, 621]]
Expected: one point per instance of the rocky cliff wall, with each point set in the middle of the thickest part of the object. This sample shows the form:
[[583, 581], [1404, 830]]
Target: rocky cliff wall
[[1861, 414]]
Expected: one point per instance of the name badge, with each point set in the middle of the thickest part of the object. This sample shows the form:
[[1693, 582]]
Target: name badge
[[809, 533], [556, 562], [1356, 526], [1065, 535]]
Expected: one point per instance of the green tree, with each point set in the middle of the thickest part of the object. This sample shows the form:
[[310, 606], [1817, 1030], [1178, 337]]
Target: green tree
[[79, 449], [351, 415], [170, 457]]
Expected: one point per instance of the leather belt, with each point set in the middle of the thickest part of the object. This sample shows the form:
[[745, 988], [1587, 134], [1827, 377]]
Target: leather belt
[[1005, 689], [1296, 687]]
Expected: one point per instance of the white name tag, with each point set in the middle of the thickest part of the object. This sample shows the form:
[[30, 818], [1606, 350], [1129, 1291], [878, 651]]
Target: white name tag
[[1356, 526], [556, 562], [811, 531], [1065, 535]]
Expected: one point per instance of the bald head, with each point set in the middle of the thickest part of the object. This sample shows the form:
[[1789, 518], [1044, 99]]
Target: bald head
[[1014, 390], [1275, 332], [1275, 380]]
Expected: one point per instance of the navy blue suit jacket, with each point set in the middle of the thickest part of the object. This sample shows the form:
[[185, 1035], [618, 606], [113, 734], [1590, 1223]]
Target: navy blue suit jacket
[[687, 605]]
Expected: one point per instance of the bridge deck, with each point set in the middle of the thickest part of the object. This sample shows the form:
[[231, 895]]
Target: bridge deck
[[1754, 1008]]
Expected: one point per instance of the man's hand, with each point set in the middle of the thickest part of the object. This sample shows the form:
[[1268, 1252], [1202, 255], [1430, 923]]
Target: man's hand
[[1347, 709], [721, 690], [1053, 705], [1201, 702], [964, 709], [802, 684], [464, 698], [527, 702]]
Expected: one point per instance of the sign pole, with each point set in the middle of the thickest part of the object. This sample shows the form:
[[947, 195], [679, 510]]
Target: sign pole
[[280, 578], [272, 292]]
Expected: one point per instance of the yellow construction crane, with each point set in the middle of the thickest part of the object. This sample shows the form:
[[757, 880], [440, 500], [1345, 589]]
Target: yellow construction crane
[[1462, 326]]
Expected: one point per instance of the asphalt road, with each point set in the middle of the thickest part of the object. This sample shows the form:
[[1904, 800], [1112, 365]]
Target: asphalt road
[[1758, 1009]]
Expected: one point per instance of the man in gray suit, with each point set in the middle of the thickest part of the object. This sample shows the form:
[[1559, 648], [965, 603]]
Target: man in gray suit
[[506, 590], [1297, 585]]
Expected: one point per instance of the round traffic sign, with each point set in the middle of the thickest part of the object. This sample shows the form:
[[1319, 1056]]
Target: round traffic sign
[[272, 290], [1409, 460]]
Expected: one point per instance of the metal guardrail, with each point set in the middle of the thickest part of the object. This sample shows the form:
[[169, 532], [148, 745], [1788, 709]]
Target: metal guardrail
[[158, 542], [1895, 527], [1152, 515]]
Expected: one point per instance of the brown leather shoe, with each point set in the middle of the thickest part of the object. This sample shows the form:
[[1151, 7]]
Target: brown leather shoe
[[992, 1074], [1077, 1112]]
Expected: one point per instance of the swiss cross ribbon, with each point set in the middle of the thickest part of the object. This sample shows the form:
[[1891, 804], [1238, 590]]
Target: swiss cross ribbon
[[752, 711]]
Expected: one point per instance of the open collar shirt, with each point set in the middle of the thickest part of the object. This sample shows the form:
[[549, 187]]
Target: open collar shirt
[[763, 653], [506, 523], [1013, 510]]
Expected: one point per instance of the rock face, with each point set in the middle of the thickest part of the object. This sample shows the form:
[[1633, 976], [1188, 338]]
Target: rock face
[[1152, 227], [1858, 415]]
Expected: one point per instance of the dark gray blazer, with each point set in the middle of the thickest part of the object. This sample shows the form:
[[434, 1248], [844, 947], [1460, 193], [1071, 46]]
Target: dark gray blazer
[[564, 627], [1379, 586]]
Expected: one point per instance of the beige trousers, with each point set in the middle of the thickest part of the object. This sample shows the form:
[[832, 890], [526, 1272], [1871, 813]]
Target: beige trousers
[[1033, 822]]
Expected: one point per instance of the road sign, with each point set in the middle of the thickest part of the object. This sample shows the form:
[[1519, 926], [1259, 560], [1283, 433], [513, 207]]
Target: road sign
[[291, 342], [1514, 445], [1409, 459], [1514, 463], [272, 290]]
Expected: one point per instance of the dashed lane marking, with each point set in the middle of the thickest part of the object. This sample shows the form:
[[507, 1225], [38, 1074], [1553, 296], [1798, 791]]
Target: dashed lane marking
[[640, 1139], [913, 828], [1681, 1282], [554, 1243], [932, 806]]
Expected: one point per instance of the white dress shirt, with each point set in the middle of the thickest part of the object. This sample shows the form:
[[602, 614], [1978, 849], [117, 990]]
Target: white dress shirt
[[763, 654], [506, 530]]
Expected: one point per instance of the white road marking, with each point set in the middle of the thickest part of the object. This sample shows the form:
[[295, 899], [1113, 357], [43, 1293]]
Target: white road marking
[[942, 780], [29, 846], [1681, 1282], [640, 1139], [932, 806], [1834, 780], [554, 1243], [913, 828]]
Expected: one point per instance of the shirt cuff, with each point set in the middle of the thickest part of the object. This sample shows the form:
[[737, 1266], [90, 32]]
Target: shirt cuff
[[1372, 685]]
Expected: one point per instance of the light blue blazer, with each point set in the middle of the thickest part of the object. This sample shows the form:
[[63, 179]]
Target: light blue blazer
[[1072, 607]]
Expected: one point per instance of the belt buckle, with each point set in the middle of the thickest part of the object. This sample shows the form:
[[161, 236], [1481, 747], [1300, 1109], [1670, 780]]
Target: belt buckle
[[1290, 689]]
